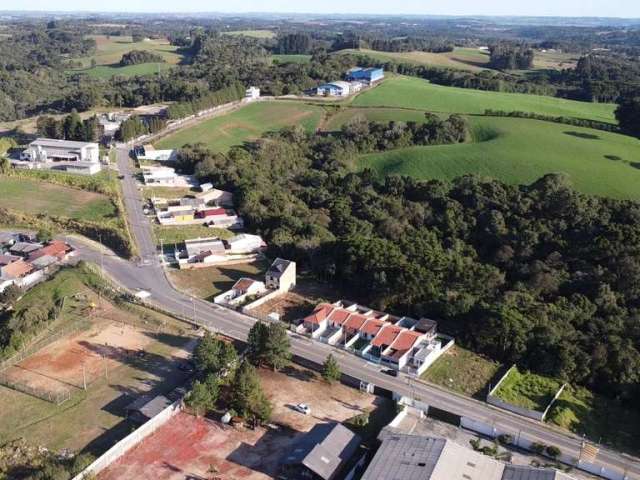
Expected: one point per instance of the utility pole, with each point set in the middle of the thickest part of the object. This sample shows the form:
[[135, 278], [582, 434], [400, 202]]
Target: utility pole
[[84, 377]]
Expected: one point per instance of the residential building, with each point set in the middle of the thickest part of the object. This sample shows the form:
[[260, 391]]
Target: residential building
[[252, 93], [367, 75], [321, 454], [55, 248], [334, 89], [150, 154], [166, 177], [241, 290], [281, 275], [200, 252], [414, 457], [24, 249], [213, 196], [7, 239], [44, 150], [245, 243], [401, 343]]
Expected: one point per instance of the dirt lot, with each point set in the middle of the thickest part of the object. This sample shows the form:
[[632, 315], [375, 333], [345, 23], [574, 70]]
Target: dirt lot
[[199, 448], [290, 306]]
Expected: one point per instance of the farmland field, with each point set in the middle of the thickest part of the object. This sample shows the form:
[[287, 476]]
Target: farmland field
[[410, 92], [109, 51], [519, 151], [252, 33], [247, 124], [33, 197], [292, 58]]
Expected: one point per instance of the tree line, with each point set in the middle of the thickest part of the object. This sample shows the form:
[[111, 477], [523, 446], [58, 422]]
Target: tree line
[[135, 57], [71, 127], [538, 275]]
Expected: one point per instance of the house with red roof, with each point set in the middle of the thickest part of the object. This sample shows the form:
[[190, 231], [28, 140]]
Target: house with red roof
[[242, 290], [55, 248], [402, 343]]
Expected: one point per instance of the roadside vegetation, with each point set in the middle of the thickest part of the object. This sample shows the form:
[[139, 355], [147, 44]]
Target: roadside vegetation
[[528, 390]]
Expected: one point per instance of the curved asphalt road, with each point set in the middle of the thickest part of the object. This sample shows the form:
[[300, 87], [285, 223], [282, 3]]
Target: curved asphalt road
[[148, 274]]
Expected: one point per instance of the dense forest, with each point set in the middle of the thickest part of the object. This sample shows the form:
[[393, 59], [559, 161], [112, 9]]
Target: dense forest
[[135, 57], [511, 57], [540, 275]]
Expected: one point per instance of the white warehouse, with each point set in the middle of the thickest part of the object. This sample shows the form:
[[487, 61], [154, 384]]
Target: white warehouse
[[44, 150]]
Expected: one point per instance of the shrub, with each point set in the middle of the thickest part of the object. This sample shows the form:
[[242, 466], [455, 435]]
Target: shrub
[[538, 448], [553, 451]]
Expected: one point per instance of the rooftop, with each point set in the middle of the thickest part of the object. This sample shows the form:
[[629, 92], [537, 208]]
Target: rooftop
[[278, 267], [52, 142], [17, 269]]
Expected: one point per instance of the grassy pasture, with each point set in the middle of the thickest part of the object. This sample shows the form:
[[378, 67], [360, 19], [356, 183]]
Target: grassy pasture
[[109, 51], [247, 124], [519, 151], [528, 390], [411, 92], [33, 197], [252, 33], [282, 58], [469, 59]]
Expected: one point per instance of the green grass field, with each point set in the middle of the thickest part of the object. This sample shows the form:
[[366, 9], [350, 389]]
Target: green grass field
[[33, 197], [415, 93], [528, 390], [291, 58], [253, 33], [519, 151], [246, 124], [463, 371], [109, 51]]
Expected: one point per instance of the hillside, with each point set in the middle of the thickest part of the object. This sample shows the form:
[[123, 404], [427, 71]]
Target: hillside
[[410, 92]]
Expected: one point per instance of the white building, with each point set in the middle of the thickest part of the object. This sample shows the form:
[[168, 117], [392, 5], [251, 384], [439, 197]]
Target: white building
[[252, 93], [216, 197], [241, 290], [245, 243], [334, 89], [45, 150], [166, 177]]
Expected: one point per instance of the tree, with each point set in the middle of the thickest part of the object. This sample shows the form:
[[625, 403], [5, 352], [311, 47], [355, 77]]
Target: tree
[[628, 115], [5, 165], [277, 347], [213, 356], [72, 126], [203, 395], [247, 397], [553, 451], [10, 294], [256, 342], [44, 235], [331, 370]]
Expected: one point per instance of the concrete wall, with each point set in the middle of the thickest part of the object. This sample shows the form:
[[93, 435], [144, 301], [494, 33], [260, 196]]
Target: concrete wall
[[269, 296], [130, 441]]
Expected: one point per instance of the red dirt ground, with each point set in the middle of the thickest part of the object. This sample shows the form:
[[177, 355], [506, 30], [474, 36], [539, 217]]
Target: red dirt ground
[[198, 448]]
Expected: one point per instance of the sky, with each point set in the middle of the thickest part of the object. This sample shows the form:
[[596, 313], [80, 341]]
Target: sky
[[573, 8]]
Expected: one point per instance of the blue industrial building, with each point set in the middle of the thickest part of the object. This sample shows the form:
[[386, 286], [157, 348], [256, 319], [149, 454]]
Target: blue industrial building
[[370, 75]]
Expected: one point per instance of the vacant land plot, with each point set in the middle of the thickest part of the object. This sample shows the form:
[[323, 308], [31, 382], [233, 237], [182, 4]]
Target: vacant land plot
[[190, 447], [528, 390], [601, 419], [245, 125], [291, 58], [34, 197], [520, 151], [463, 371], [168, 192], [106, 354], [208, 282], [409, 92], [109, 51], [290, 306], [170, 235]]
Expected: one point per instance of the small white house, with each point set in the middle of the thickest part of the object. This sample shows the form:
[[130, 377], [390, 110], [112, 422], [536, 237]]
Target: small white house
[[252, 93], [241, 290]]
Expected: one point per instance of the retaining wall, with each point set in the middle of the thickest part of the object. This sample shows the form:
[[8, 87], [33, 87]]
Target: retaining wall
[[130, 441]]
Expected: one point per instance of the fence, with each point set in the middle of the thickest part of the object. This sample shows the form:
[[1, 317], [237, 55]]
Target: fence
[[130, 441], [58, 397]]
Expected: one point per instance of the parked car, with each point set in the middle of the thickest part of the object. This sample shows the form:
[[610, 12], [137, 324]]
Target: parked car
[[302, 408], [390, 371]]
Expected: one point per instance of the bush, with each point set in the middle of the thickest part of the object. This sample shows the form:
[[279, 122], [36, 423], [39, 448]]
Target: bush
[[538, 448], [505, 439], [553, 451]]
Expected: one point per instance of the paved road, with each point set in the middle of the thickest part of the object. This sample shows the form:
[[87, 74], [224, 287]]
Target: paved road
[[148, 274]]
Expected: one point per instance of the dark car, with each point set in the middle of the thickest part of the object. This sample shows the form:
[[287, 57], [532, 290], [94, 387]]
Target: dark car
[[390, 371]]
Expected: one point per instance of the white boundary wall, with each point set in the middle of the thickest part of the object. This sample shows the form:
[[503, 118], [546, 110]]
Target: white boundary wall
[[130, 441]]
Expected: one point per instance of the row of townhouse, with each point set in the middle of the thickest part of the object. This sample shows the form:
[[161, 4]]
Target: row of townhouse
[[401, 343], [209, 251], [25, 262]]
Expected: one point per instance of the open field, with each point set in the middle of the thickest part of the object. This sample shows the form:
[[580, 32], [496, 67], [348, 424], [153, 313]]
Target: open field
[[415, 93], [290, 306], [253, 33], [109, 51], [519, 151], [168, 192], [470, 59], [599, 418], [190, 447], [94, 419], [463, 371], [34, 197], [291, 58], [246, 124], [528, 390], [208, 282], [177, 234]]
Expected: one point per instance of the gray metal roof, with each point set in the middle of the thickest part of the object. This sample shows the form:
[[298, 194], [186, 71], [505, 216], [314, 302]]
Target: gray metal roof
[[52, 142], [324, 449], [513, 472], [278, 267]]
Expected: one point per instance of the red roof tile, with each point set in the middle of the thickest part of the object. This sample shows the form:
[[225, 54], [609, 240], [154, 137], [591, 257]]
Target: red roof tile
[[18, 269], [386, 336], [372, 326], [339, 315], [320, 313], [55, 249], [243, 284], [355, 321], [406, 340]]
